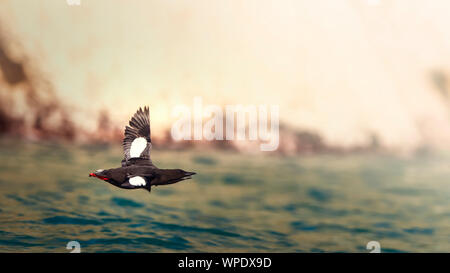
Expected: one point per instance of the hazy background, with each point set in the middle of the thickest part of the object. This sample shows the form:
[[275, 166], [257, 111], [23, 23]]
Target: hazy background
[[345, 70]]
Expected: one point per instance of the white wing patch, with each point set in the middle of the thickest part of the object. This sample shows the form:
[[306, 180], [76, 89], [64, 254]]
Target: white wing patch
[[137, 181], [137, 147]]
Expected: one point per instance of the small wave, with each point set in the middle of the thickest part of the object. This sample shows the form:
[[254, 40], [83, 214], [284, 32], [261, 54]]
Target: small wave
[[196, 229], [422, 231], [319, 195], [65, 220], [123, 202]]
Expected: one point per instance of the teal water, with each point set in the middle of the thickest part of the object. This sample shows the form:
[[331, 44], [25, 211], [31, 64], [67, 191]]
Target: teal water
[[236, 203]]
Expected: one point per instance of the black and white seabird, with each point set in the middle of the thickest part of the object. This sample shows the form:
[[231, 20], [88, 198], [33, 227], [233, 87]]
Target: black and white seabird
[[138, 171]]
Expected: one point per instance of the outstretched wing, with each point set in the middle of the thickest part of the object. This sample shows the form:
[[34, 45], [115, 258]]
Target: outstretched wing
[[137, 142]]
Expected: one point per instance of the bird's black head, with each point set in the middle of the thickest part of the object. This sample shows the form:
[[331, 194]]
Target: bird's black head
[[100, 174], [170, 176]]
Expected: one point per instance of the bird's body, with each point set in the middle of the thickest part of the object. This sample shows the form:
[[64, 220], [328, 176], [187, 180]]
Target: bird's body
[[137, 169]]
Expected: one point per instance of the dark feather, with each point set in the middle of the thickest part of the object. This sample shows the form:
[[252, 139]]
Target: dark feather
[[139, 126]]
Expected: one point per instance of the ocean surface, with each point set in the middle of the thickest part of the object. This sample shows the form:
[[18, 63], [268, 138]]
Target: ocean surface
[[236, 203]]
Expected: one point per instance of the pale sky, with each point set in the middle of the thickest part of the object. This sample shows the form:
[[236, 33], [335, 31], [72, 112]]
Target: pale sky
[[342, 68]]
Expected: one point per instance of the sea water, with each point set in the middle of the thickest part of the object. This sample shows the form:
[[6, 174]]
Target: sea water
[[235, 203]]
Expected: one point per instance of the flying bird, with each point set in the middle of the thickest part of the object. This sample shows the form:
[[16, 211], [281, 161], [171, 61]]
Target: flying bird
[[138, 171]]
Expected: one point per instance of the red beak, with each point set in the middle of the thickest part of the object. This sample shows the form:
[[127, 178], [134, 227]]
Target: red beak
[[98, 176]]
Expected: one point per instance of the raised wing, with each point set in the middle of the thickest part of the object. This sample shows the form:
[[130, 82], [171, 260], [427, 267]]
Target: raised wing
[[137, 142]]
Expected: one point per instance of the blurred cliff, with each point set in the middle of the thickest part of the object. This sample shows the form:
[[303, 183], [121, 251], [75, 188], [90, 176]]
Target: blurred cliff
[[29, 107], [349, 75]]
